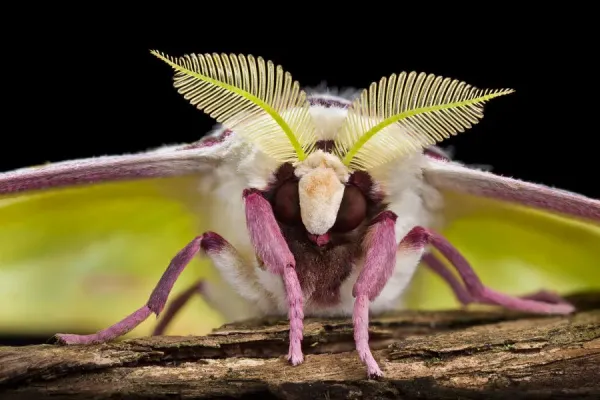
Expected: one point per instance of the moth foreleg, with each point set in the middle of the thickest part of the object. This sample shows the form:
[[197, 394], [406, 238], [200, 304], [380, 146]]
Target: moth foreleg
[[274, 253], [541, 302], [155, 303], [380, 260]]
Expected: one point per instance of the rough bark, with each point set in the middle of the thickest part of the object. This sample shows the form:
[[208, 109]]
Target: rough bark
[[452, 354]]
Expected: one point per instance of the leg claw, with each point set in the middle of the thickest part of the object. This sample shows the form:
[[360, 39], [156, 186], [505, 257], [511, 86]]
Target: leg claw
[[374, 374], [373, 370], [295, 355]]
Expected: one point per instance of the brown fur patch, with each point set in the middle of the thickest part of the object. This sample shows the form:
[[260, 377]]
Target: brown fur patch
[[321, 271], [284, 172]]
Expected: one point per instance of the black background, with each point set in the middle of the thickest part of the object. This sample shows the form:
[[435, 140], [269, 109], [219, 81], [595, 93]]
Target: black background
[[82, 83], [80, 87]]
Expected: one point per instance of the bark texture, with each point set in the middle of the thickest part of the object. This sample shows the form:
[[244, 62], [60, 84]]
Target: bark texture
[[435, 355]]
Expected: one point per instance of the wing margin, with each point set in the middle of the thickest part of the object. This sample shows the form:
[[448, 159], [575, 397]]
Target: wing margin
[[171, 161], [454, 177]]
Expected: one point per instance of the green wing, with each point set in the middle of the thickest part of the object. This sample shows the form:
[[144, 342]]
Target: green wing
[[514, 249], [80, 259]]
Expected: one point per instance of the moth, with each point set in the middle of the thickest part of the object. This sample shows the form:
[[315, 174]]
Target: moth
[[320, 204]]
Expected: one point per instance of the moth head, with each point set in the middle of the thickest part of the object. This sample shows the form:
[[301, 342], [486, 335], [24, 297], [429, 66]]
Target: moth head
[[320, 197]]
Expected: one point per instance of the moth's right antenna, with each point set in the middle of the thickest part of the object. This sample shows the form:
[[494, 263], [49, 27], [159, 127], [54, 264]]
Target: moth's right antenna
[[404, 114], [252, 97]]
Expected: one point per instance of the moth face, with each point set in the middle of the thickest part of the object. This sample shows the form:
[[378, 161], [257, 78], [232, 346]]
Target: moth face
[[320, 203]]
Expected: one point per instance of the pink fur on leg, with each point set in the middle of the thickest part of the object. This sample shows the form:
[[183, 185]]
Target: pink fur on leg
[[546, 296], [119, 329], [155, 304], [360, 321], [217, 249], [296, 314], [272, 249], [380, 261]]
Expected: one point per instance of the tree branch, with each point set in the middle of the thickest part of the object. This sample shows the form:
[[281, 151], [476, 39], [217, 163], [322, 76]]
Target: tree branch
[[467, 354]]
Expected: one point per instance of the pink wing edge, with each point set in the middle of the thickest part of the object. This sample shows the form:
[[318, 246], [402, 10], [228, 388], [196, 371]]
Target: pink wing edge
[[167, 161], [455, 177]]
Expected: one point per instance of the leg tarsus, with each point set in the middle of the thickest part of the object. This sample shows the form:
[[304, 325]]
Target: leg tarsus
[[295, 316], [360, 320], [525, 304], [546, 296], [176, 305], [119, 329]]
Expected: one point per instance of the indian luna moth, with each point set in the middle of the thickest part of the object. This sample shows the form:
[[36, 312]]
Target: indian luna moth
[[319, 204]]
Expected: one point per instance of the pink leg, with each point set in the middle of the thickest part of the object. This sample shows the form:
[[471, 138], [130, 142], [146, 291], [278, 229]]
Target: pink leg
[[535, 303], [459, 290], [277, 258], [380, 260], [176, 305], [379, 264], [156, 301], [463, 294]]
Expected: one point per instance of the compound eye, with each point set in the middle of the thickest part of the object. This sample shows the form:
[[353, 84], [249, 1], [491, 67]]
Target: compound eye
[[353, 210], [286, 203]]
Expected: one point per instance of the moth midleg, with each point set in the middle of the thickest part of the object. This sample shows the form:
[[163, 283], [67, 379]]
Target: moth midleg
[[155, 303], [274, 254], [479, 292], [237, 272], [546, 296], [463, 295], [436, 265]]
